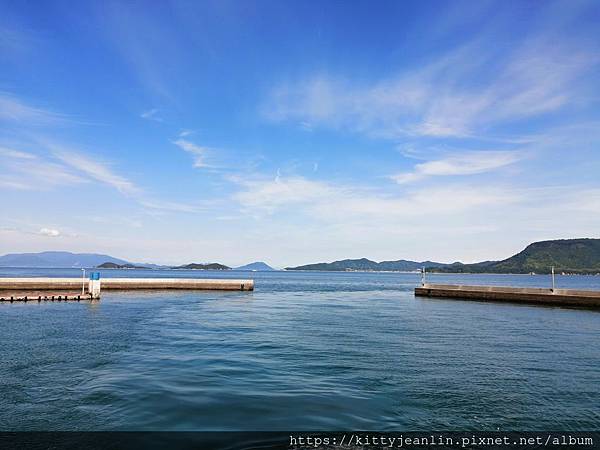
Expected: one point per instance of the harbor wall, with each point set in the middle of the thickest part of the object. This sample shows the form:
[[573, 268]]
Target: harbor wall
[[36, 284], [556, 297]]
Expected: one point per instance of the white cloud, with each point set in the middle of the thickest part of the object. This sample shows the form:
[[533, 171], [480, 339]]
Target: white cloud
[[461, 94], [466, 163], [151, 114], [50, 232], [15, 110], [15, 185], [327, 201], [25, 171], [31, 231], [462, 221], [10, 153], [97, 170], [198, 152], [268, 195]]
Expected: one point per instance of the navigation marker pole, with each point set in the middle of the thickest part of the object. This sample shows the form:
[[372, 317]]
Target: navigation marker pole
[[423, 276], [553, 279], [82, 281]]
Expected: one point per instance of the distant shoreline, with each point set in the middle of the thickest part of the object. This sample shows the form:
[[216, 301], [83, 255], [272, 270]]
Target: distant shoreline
[[303, 271], [136, 268], [440, 273]]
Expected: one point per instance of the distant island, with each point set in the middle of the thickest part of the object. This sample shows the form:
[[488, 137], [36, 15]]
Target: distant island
[[111, 265], [192, 266], [255, 266], [258, 266], [580, 256], [196, 266]]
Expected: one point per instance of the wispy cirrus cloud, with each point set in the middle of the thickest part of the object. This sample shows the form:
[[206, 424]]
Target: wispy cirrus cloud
[[267, 195], [26, 171], [29, 171], [465, 163], [66, 166], [95, 169], [198, 152], [463, 93], [15, 154], [151, 114], [16, 110], [337, 202]]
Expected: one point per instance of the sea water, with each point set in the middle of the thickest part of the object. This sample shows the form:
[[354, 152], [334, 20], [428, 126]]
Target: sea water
[[304, 351]]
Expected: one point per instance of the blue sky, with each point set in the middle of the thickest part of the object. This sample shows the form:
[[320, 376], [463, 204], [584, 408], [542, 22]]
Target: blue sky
[[296, 132]]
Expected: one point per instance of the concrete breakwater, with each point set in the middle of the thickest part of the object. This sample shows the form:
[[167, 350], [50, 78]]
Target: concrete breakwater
[[74, 284], [42, 296], [540, 296]]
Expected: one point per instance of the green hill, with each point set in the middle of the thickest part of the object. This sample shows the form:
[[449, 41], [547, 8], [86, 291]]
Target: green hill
[[365, 264], [566, 255]]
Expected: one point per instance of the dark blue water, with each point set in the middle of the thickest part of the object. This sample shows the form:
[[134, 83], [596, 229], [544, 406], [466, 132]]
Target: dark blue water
[[318, 351]]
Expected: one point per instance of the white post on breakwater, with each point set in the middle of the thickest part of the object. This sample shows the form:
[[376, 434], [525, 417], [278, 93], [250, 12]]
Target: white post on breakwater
[[94, 285], [553, 284], [82, 281], [423, 276]]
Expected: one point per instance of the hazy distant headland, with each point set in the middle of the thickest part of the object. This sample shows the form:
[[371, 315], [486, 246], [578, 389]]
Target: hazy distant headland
[[566, 255], [57, 259]]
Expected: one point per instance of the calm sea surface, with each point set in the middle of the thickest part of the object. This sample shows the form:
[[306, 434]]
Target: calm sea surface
[[304, 351]]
